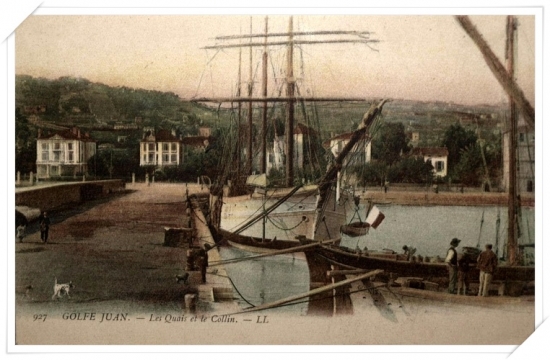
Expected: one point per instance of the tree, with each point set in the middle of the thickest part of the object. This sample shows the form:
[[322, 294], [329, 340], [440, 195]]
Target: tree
[[456, 139], [25, 144], [469, 169], [389, 143]]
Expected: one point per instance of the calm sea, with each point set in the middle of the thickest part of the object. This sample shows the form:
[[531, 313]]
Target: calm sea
[[428, 229]]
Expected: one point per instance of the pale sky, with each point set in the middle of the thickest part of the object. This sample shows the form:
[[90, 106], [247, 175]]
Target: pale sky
[[423, 57]]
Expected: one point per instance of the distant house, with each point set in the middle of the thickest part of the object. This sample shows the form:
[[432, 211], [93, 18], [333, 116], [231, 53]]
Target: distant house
[[305, 139], [360, 154], [525, 158], [64, 153], [160, 148], [163, 148], [436, 155]]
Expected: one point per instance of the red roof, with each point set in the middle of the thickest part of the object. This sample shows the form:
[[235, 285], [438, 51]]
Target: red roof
[[302, 129], [429, 151], [165, 135], [196, 141], [69, 134]]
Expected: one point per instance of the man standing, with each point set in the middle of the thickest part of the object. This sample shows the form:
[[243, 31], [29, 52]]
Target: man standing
[[44, 222], [452, 263], [487, 264]]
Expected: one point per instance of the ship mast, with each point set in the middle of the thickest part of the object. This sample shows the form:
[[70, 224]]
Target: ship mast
[[290, 107], [511, 48], [505, 76], [290, 99]]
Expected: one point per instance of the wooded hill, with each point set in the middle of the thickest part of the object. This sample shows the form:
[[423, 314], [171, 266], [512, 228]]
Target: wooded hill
[[69, 101]]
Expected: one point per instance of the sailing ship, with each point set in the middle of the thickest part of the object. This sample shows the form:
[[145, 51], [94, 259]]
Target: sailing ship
[[250, 214], [514, 276]]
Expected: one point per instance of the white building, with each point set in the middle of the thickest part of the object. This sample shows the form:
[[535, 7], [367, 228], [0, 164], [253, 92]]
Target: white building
[[64, 153], [360, 154], [160, 148], [525, 158], [436, 155], [304, 149]]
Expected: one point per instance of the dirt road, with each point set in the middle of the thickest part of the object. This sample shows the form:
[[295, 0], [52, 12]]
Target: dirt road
[[112, 251]]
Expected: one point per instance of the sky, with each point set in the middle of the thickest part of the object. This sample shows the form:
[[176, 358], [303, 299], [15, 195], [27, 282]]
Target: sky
[[418, 57]]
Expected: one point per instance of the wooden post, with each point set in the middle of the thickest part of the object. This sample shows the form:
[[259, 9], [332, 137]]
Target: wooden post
[[133, 178], [31, 178], [18, 181]]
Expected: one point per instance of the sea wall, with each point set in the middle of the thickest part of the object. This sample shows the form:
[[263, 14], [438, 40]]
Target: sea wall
[[52, 196]]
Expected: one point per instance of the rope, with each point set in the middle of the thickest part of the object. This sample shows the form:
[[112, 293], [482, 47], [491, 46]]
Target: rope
[[285, 229], [235, 287]]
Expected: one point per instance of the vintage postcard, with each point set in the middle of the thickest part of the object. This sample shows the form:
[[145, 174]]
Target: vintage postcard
[[275, 179]]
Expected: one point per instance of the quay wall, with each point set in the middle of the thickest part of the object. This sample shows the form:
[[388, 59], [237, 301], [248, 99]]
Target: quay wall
[[429, 198], [52, 196]]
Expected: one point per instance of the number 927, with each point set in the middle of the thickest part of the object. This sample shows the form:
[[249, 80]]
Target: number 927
[[38, 317]]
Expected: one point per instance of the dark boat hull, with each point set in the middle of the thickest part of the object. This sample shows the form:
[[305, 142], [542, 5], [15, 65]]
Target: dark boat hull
[[425, 270], [257, 245]]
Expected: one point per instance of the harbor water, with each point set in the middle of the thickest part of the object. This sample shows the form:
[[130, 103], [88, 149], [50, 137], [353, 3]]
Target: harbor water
[[428, 229]]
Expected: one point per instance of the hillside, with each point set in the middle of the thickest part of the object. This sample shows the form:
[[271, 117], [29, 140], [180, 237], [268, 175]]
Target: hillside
[[74, 101]]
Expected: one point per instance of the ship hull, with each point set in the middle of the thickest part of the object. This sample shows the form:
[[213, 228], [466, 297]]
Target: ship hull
[[402, 268], [282, 227]]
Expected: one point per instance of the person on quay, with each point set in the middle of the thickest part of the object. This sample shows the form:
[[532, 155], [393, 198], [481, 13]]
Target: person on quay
[[44, 222], [462, 276], [452, 265], [487, 263]]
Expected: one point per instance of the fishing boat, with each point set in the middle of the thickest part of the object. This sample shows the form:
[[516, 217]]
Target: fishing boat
[[253, 215]]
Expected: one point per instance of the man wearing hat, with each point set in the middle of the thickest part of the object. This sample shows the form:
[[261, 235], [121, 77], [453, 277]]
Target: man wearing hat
[[452, 264]]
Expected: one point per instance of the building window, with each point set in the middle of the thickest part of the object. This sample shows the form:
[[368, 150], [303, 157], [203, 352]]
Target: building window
[[151, 158], [54, 170], [521, 137], [151, 147], [70, 154], [44, 156], [165, 147], [439, 166], [174, 158], [530, 186], [165, 158], [44, 146]]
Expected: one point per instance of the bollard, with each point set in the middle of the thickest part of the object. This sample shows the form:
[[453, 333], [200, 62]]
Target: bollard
[[153, 179], [147, 179], [31, 178], [18, 182], [190, 302], [83, 178], [133, 178]]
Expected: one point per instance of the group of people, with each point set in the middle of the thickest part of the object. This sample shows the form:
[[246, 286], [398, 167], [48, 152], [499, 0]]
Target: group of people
[[459, 266], [44, 224]]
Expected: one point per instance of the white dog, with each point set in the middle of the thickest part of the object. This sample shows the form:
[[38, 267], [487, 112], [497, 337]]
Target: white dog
[[62, 289]]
